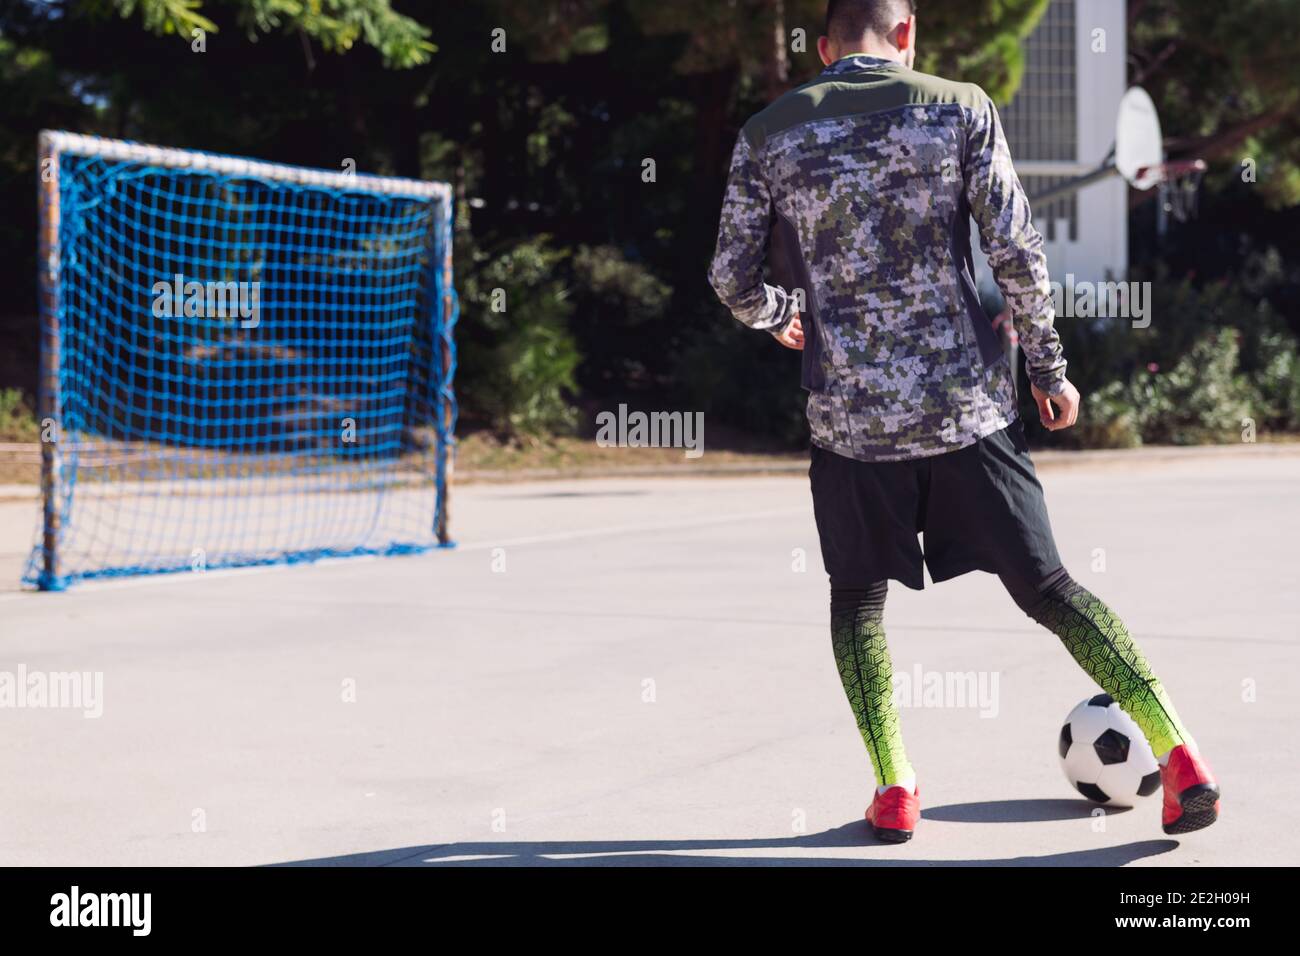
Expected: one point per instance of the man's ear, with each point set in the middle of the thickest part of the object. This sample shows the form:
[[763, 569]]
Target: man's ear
[[908, 39], [824, 50], [905, 38]]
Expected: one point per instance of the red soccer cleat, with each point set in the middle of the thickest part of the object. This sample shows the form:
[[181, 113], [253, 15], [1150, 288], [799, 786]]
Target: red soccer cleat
[[1191, 792], [893, 814]]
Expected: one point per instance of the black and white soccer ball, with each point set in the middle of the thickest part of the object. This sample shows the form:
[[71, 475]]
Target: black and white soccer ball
[[1104, 755]]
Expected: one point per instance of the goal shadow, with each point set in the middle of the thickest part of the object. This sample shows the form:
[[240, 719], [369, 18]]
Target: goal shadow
[[686, 853]]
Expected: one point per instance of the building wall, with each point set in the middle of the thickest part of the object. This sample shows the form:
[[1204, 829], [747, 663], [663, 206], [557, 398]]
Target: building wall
[[1061, 124]]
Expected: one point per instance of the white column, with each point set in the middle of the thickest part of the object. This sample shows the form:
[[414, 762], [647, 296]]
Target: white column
[[1102, 49]]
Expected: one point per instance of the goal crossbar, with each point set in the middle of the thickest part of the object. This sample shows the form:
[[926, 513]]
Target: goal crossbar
[[55, 142]]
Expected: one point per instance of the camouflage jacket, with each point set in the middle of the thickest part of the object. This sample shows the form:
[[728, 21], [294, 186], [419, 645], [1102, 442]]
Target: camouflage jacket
[[871, 173]]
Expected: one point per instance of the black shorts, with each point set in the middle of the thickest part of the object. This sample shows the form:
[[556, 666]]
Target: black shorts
[[980, 508]]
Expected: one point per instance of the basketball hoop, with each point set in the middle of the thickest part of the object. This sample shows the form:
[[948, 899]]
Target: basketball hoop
[[1180, 187], [1139, 157], [1138, 154]]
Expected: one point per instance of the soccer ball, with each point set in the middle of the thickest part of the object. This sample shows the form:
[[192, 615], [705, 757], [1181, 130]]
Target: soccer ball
[[1104, 755]]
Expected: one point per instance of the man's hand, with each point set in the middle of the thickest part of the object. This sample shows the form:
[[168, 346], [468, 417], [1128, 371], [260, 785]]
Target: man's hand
[[792, 337], [1066, 411]]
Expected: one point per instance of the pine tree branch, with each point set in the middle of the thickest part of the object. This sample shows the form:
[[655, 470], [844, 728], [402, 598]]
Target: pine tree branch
[[1225, 139]]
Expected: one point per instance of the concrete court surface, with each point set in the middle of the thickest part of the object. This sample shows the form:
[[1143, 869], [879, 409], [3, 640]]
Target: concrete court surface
[[647, 679]]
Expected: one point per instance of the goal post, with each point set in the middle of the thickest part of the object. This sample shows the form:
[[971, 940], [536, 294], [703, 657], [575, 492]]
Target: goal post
[[242, 363]]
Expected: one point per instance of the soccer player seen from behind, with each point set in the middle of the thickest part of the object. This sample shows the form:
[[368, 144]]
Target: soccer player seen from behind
[[872, 173]]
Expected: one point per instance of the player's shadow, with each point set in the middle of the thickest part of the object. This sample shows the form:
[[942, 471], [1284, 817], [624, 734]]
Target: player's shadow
[[1017, 811], [711, 853]]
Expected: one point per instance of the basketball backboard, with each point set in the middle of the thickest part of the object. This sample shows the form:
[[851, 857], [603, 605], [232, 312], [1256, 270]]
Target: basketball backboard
[[1139, 145]]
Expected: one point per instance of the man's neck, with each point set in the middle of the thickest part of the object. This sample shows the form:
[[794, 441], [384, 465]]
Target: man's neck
[[894, 56]]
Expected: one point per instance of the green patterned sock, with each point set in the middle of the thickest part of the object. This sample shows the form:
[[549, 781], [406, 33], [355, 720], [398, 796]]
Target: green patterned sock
[[1098, 640], [858, 638]]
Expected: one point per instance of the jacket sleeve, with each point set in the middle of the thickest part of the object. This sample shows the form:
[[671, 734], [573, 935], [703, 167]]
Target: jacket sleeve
[[738, 261], [1013, 246]]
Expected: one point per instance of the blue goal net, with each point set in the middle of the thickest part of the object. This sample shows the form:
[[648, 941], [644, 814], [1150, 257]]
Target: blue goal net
[[242, 363]]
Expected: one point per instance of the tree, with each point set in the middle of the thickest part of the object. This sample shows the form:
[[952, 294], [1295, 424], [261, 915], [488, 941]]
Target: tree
[[1227, 81], [335, 24], [544, 130]]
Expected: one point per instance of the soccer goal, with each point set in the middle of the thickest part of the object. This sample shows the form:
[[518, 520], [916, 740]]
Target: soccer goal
[[242, 363]]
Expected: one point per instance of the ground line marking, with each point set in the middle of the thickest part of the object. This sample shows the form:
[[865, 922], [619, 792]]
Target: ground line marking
[[148, 579]]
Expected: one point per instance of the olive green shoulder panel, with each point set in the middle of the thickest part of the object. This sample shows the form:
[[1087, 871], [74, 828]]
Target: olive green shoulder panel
[[871, 91]]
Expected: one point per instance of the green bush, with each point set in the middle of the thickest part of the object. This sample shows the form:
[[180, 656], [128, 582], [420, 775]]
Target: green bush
[[618, 286], [743, 379], [517, 356], [619, 310], [17, 423], [1274, 370], [1203, 398], [1211, 357]]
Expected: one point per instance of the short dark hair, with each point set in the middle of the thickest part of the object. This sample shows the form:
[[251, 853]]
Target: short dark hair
[[849, 20]]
